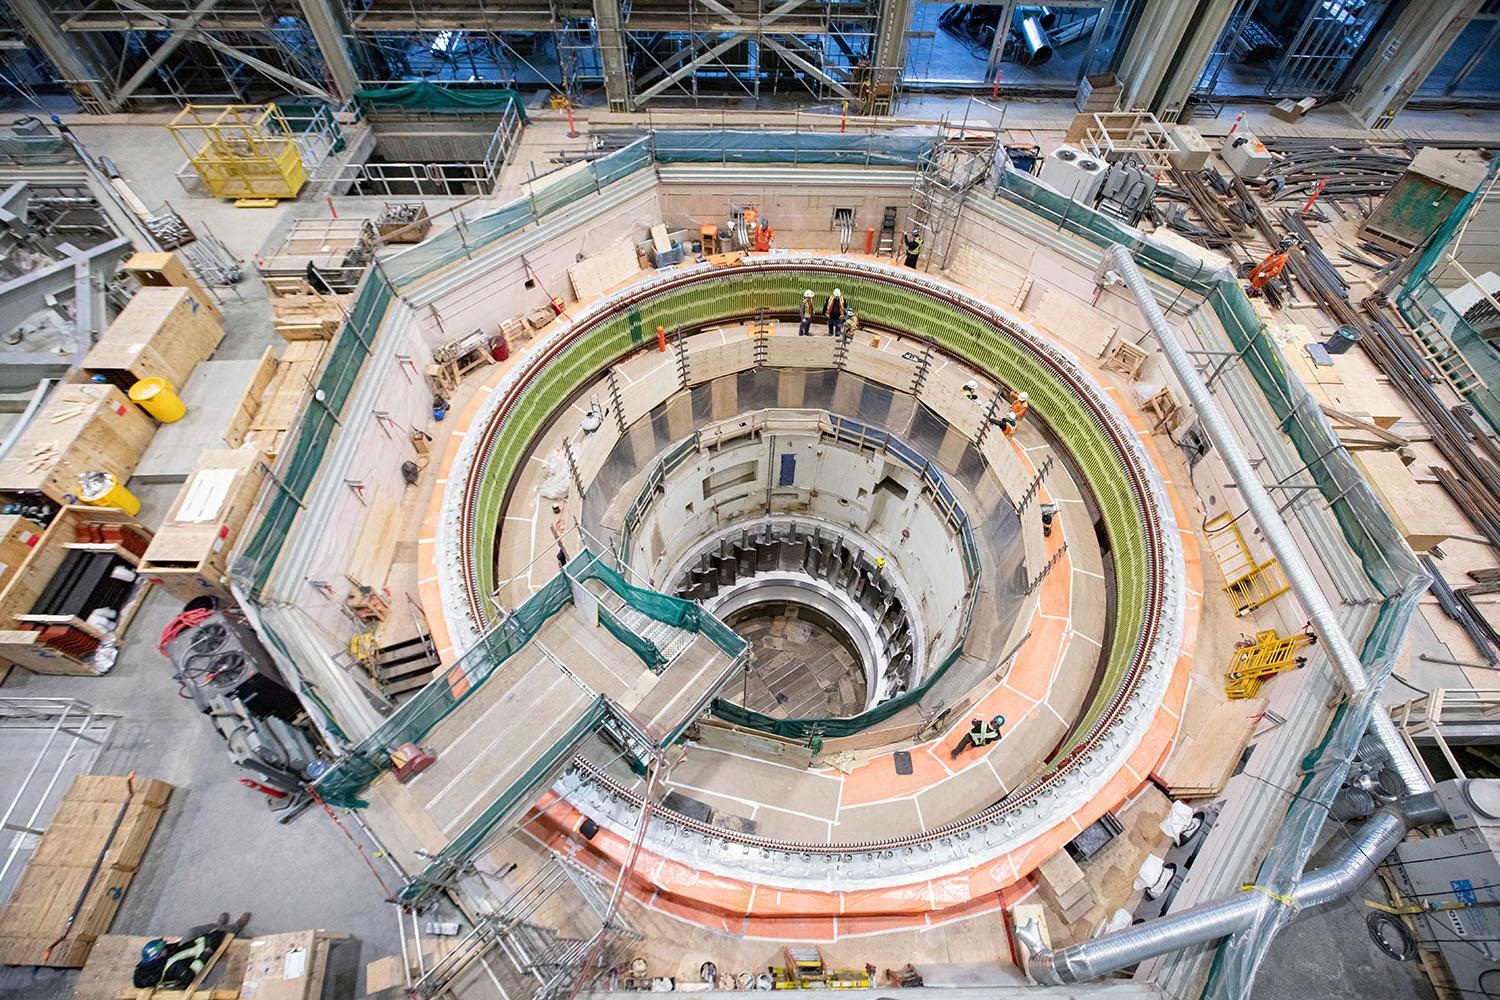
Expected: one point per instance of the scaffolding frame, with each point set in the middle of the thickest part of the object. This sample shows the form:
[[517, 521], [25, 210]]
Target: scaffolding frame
[[71, 727]]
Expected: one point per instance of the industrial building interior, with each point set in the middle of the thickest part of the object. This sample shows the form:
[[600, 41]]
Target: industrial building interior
[[528, 500]]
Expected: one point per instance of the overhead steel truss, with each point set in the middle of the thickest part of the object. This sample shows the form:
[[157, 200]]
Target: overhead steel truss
[[113, 52]]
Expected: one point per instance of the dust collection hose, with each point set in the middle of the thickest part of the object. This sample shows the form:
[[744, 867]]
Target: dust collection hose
[[1357, 859], [1348, 869]]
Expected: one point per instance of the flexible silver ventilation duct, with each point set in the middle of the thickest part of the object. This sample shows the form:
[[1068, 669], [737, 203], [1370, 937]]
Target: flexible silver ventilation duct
[[1298, 573], [1347, 870]]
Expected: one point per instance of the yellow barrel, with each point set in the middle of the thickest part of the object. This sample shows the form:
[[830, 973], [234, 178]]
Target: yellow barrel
[[156, 397], [102, 489]]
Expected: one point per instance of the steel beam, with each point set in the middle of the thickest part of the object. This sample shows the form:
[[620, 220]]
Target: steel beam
[[76, 69], [795, 58], [83, 275], [888, 55], [198, 34], [163, 52], [715, 50], [327, 24], [612, 53]]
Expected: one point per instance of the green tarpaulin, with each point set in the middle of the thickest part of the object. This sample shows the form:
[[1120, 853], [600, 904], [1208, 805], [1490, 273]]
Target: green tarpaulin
[[424, 96]]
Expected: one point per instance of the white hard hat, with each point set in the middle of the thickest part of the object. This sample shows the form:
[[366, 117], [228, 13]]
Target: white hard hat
[[971, 384], [1022, 397], [837, 294], [807, 294]]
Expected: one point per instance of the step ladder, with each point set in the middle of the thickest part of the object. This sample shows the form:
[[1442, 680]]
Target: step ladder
[[1248, 582], [1437, 347], [1254, 662]]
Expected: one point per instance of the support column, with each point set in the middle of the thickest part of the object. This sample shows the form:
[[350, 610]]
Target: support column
[[1404, 55], [612, 53], [77, 70], [331, 33], [887, 55], [1150, 54], [1192, 55]]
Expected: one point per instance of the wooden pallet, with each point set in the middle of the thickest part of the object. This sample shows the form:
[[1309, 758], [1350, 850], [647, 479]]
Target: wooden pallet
[[82, 861]]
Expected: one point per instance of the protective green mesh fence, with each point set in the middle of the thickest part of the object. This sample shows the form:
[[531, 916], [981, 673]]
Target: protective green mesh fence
[[469, 239], [1421, 301], [516, 797], [310, 438]]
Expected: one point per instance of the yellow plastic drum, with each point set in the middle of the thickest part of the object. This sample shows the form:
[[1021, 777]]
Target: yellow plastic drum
[[156, 397], [102, 489]]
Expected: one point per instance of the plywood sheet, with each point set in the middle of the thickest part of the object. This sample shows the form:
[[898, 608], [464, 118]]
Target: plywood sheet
[[376, 547], [614, 264]]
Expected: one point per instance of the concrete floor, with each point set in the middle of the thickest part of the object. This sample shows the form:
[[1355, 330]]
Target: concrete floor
[[218, 847]]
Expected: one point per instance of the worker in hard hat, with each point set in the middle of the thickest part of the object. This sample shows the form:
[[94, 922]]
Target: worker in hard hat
[[981, 733], [1019, 404], [764, 234], [805, 314], [913, 247], [970, 389], [1271, 267], [834, 309]]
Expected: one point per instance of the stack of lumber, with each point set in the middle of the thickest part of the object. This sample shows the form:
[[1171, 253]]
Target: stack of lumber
[[1210, 743], [22, 641], [163, 332], [1063, 886], [82, 428], [308, 315], [85, 861], [276, 396], [166, 270], [190, 553]]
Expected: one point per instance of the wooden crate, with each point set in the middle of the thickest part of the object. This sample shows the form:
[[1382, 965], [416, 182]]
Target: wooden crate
[[23, 647], [249, 405], [166, 270], [190, 553], [18, 535], [112, 962], [286, 394], [62, 872], [309, 316], [82, 428], [163, 332]]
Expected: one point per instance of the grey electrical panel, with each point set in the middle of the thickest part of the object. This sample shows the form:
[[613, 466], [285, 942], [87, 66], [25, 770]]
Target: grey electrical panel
[[1458, 877]]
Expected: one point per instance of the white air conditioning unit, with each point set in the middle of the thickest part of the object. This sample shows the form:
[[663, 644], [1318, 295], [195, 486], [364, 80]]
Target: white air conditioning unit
[[1076, 174]]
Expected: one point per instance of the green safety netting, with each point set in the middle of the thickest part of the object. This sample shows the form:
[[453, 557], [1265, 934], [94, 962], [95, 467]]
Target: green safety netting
[[901, 148], [514, 798], [1421, 301], [310, 439], [486, 661], [421, 95]]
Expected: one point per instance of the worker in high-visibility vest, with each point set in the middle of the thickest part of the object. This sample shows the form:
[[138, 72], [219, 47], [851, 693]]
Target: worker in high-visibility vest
[[981, 733], [805, 314], [913, 247]]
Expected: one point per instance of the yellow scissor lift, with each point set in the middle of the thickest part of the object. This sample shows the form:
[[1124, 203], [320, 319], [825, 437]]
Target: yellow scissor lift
[[1266, 656], [1248, 582], [242, 151]]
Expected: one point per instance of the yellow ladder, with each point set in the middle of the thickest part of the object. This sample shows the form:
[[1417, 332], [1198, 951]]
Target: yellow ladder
[[1249, 583], [1268, 655]]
